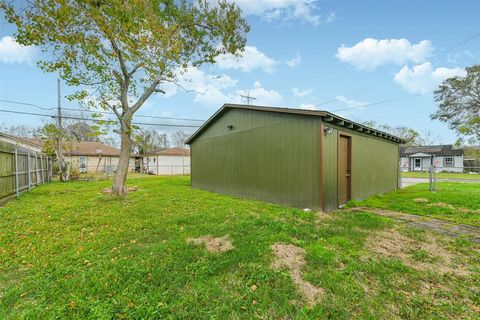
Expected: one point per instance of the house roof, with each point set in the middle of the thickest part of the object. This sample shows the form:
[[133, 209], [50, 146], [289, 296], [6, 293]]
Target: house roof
[[25, 141], [325, 115], [437, 150], [170, 152], [84, 148]]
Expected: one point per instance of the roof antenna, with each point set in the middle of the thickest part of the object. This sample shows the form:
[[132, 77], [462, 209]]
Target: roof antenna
[[247, 98]]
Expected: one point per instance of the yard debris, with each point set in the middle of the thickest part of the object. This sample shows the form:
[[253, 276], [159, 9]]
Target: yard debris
[[393, 244], [307, 210], [420, 200], [129, 189], [292, 258], [213, 244]]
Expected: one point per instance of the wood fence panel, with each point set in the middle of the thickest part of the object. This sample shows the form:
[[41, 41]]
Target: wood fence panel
[[20, 170]]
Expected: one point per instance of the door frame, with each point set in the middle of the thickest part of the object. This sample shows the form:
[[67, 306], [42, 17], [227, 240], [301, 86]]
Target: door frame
[[349, 155]]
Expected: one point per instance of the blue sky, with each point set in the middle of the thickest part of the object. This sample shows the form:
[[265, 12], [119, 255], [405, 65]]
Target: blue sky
[[302, 53]]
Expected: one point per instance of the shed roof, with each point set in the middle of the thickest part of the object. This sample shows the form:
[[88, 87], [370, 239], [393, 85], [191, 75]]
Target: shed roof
[[325, 115], [437, 150]]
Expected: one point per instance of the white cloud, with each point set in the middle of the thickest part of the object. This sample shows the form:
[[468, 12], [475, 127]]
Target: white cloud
[[295, 61], [454, 58], [423, 78], [301, 93], [262, 96], [249, 60], [13, 52], [215, 90], [350, 103], [270, 10], [208, 89], [370, 53], [308, 106], [332, 15]]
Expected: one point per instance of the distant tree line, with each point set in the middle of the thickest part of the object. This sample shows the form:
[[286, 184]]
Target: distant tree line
[[411, 136]]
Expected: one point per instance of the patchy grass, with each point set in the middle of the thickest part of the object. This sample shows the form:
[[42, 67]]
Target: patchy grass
[[442, 175], [70, 251], [456, 202]]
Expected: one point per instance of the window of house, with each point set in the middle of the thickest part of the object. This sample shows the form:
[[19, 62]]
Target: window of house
[[153, 159], [418, 162], [83, 161], [448, 162]]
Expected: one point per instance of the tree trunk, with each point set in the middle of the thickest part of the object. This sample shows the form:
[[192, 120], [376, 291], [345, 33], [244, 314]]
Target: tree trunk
[[119, 180]]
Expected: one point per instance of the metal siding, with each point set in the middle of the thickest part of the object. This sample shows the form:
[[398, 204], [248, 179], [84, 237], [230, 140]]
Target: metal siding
[[331, 162], [267, 156], [374, 166]]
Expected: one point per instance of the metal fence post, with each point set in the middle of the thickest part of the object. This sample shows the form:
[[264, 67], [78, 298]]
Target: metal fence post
[[29, 169], [17, 187]]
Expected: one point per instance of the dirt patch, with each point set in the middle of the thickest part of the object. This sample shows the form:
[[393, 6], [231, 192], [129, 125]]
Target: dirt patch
[[441, 205], [290, 257], [393, 244], [452, 207], [129, 189], [213, 244], [420, 200], [321, 216]]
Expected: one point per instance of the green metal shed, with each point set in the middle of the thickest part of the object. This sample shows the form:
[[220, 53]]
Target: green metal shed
[[302, 158]]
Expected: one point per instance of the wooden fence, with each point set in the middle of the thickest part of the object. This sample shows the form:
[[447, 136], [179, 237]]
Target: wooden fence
[[21, 170]]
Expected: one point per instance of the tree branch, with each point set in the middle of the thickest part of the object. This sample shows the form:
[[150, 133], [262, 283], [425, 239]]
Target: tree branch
[[130, 74], [148, 92]]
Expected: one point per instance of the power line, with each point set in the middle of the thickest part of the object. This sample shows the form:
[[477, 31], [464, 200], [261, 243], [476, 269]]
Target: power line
[[101, 112], [27, 104], [99, 120], [381, 81], [382, 102]]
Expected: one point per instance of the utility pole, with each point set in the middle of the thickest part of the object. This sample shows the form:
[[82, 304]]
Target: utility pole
[[59, 134], [247, 97]]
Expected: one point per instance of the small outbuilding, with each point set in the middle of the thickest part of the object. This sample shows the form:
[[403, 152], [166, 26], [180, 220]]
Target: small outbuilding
[[302, 158]]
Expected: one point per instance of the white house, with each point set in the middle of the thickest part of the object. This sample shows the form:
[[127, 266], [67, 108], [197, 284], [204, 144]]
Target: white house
[[421, 158], [171, 161]]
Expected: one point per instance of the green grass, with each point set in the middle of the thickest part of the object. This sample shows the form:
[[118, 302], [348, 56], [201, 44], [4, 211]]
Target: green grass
[[68, 251], [459, 195], [442, 175]]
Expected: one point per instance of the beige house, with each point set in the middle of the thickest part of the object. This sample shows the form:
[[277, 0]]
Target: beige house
[[95, 157], [171, 161], [92, 157]]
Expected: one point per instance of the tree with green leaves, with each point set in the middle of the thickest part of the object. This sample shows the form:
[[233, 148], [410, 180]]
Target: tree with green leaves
[[411, 136], [458, 101], [122, 51]]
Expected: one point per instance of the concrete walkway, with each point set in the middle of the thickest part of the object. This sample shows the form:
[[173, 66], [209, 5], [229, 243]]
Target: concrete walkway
[[405, 181], [439, 226]]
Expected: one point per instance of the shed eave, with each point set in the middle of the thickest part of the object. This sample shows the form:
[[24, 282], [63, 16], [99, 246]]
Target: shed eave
[[324, 115]]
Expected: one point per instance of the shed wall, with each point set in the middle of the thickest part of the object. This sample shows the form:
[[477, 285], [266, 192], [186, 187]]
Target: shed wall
[[267, 156], [374, 166]]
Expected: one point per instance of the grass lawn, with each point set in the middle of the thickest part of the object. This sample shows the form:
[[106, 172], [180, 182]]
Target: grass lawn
[[442, 175], [456, 202], [69, 251]]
